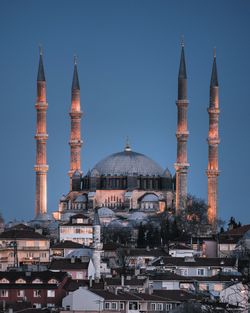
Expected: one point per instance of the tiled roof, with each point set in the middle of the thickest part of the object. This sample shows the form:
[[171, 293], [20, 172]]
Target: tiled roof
[[145, 252], [21, 234], [175, 277], [67, 244], [44, 276], [127, 282], [194, 262], [239, 231], [72, 284], [67, 264]]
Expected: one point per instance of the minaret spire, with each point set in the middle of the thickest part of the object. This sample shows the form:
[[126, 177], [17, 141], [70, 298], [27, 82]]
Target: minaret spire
[[181, 165], [41, 137], [75, 133], [213, 142]]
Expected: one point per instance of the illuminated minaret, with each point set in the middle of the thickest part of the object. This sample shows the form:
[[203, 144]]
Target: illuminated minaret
[[213, 142], [41, 137], [181, 165], [75, 133]]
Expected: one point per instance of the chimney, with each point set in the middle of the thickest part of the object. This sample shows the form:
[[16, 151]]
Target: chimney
[[122, 281]]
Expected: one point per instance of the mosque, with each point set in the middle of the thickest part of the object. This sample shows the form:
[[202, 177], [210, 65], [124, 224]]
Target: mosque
[[126, 181]]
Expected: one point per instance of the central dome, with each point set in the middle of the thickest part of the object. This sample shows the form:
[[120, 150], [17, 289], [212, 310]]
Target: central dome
[[128, 163]]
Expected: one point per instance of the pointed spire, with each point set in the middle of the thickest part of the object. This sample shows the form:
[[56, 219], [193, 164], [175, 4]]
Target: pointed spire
[[214, 75], [75, 82], [182, 68], [127, 145], [40, 74]]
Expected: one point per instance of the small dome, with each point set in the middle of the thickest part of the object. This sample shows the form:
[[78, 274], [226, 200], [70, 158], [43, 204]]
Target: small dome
[[105, 212], [116, 224], [128, 163], [76, 174], [81, 198], [167, 173], [137, 216], [44, 217], [150, 197], [94, 173]]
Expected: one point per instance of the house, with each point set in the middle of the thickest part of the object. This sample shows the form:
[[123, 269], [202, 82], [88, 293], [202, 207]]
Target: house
[[95, 300], [134, 284], [237, 294], [79, 229], [140, 257], [180, 250], [193, 266], [41, 289], [77, 268], [21, 245]]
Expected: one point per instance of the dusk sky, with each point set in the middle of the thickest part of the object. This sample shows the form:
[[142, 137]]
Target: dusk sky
[[128, 58]]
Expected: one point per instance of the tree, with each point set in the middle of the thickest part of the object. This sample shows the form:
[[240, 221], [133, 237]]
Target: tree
[[141, 240]]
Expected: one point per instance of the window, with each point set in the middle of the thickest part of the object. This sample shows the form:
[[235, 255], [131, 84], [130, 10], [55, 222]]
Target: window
[[20, 281], [113, 306], [157, 306], [4, 281], [37, 281], [52, 281], [79, 275], [168, 306], [51, 293], [133, 305], [200, 271], [20, 293], [184, 271], [4, 293], [37, 305], [122, 305], [37, 293], [218, 287], [107, 305], [203, 287], [50, 305]]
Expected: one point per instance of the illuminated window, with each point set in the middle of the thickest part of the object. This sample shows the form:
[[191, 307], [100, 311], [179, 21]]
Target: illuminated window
[[4, 293], [20, 293], [37, 281], [52, 281], [20, 281], [4, 281], [51, 293]]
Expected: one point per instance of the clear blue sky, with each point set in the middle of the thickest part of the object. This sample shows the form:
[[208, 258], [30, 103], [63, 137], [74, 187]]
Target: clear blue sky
[[128, 63]]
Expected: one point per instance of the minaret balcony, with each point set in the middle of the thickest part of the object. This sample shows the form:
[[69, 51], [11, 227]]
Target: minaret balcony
[[213, 172], [41, 136], [41, 168], [41, 106]]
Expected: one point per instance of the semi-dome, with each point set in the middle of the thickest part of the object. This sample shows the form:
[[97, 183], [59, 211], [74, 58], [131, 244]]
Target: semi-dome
[[105, 212], [128, 163]]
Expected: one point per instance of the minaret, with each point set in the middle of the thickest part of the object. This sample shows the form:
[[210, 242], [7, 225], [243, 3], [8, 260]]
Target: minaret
[[181, 165], [41, 137], [75, 133], [97, 245], [213, 142]]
